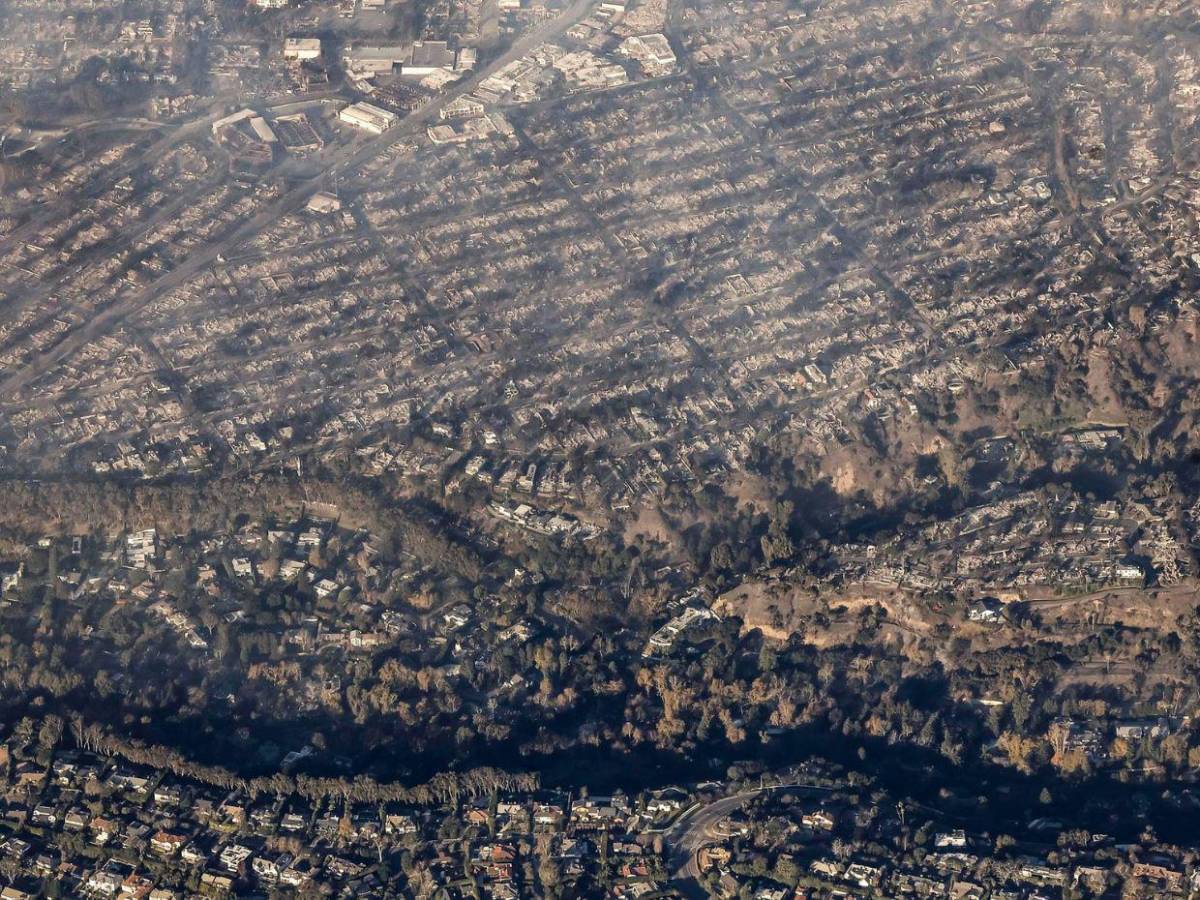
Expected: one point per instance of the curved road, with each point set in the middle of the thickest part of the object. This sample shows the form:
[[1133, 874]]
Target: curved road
[[694, 829]]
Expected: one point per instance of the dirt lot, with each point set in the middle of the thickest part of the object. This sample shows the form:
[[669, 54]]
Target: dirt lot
[[926, 628]]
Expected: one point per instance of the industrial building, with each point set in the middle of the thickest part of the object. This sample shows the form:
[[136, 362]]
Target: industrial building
[[427, 57], [297, 133], [369, 60], [240, 116], [368, 117], [302, 48], [262, 130], [420, 59]]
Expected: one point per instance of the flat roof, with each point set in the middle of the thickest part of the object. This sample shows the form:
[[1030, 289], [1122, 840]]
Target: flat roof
[[397, 54], [263, 130], [432, 53], [371, 109]]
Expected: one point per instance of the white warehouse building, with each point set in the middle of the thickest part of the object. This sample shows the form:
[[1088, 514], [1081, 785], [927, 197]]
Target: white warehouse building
[[368, 117], [302, 48]]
